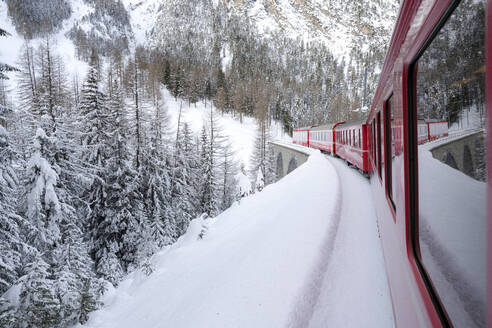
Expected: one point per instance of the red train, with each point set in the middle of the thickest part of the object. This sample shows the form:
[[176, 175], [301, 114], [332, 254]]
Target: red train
[[350, 141], [433, 200]]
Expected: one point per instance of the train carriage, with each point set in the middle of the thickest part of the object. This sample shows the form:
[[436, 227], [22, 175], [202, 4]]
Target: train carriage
[[437, 129], [322, 137], [351, 144], [300, 136]]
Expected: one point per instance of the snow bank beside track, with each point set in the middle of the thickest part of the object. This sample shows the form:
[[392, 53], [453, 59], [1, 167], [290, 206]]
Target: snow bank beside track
[[248, 270]]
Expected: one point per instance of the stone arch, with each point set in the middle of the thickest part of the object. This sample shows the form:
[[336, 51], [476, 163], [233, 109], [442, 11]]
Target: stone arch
[[292, 165], [450, 161], [280, 166], [468, 167]]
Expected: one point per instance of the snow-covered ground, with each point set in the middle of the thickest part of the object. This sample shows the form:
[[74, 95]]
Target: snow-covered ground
[[284, 257], [355, 281]]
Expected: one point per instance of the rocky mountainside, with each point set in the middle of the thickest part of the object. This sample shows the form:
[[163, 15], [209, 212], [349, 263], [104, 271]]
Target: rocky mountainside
[[347, 28], [341, 25], [319, 51]]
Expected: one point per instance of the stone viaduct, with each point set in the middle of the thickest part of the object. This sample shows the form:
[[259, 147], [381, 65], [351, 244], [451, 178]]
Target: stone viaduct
[[287, 158], [464, 153]]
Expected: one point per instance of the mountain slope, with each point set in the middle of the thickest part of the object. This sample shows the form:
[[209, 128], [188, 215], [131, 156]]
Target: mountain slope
[[341, 25]]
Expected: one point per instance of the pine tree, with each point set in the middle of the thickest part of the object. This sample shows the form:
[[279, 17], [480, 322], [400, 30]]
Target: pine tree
[[260, 180], [4, 67], [228, 171], [87, 301], [43, 207], [8, 315], [75, 282], [95, 133], [208, 201], [155, 182], [39, 306], [123, 218], [183, 174], [11, 243], [263, 156]]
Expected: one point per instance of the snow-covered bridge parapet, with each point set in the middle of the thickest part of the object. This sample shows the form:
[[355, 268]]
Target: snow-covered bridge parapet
[[288, 157]]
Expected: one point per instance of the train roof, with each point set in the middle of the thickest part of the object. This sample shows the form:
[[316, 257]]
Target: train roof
[[352, 123], [328, 126], [304, 128]]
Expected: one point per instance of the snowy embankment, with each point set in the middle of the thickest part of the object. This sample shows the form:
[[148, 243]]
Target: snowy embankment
[[253, 267]]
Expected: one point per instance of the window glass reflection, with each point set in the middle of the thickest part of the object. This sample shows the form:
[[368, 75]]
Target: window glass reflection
[[452, 164]]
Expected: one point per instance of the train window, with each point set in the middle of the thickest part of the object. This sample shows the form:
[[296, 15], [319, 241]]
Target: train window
[[389, 118], [378, 142], [374, 154], [449, 225]]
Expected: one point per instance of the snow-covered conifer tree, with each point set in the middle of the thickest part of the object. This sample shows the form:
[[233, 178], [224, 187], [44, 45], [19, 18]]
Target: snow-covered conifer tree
[[43, 207], [181, 183], [39, 306], [228, 172], [208, 186], [263, 158], [95, 128], [123, 219], [75, 282], [260, 181], [8, 314], [4, 68], [10, 237]]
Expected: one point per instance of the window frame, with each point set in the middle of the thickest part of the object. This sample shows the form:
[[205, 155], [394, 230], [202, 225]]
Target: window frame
[[388, 153], [378, 144], [412, 161]]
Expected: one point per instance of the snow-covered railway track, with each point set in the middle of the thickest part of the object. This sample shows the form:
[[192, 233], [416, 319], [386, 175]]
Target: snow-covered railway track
[[355, 291]]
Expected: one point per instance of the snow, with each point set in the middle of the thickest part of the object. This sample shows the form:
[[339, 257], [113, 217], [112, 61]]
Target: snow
[[143, 15], [286, 256], [248, 269], [243, 184], [453, 235], [241, 135], [355, 280]]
